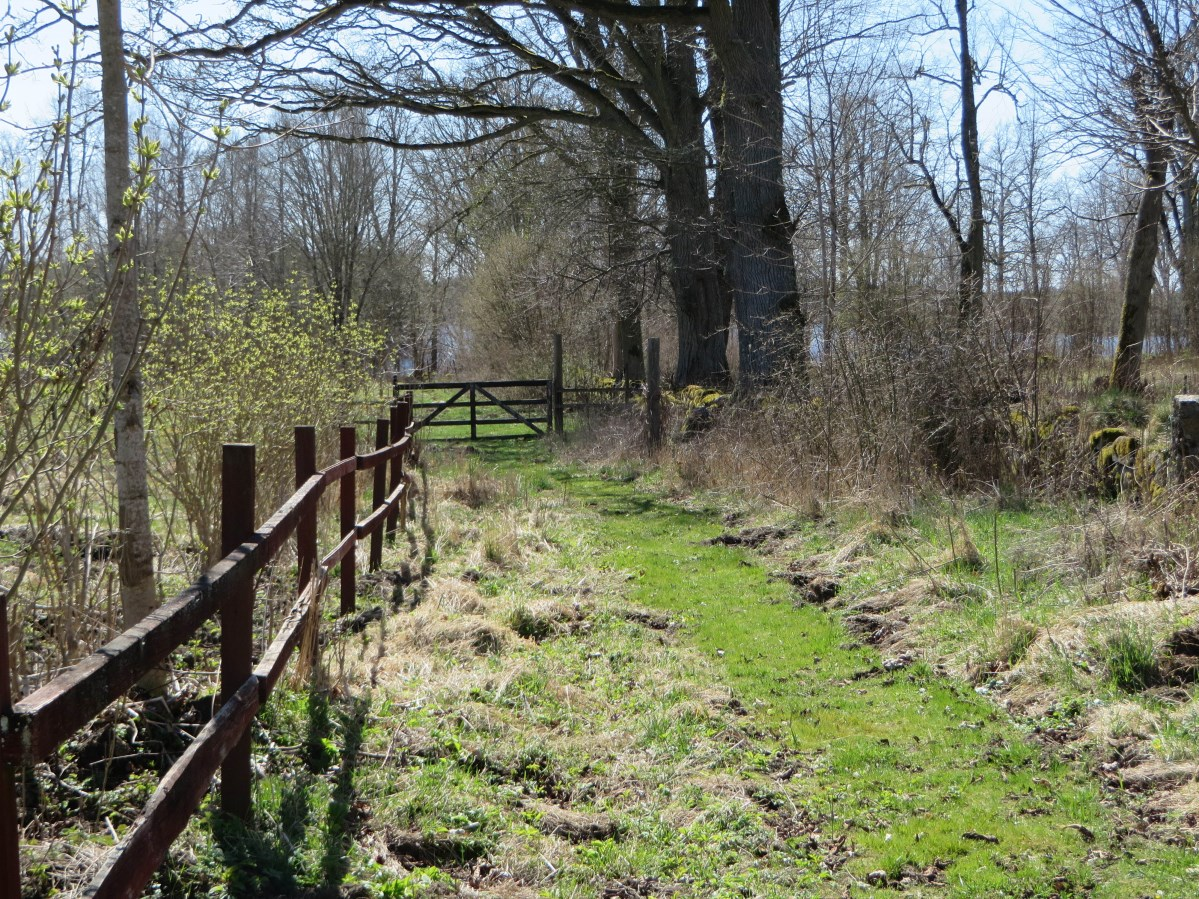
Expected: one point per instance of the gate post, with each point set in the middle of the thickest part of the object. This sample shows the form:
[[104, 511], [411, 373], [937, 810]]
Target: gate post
[[474, 422], [557, 386], [653, 393], [237, 616]]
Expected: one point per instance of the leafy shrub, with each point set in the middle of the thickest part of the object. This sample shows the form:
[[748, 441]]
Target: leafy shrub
[[246, 366]]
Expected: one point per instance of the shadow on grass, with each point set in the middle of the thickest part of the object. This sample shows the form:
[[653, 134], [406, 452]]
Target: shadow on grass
[[305, 818]]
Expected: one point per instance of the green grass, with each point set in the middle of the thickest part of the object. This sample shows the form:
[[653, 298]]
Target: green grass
[[754, 748], [903, 764]]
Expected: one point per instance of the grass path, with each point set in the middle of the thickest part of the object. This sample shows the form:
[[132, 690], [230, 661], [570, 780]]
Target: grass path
[[587, 698], [925, 779]]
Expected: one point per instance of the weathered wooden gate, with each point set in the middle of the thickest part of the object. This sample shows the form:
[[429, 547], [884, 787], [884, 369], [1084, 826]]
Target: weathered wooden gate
[[495, 410]]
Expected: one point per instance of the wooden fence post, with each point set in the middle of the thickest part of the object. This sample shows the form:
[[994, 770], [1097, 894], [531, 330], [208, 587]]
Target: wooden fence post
[[653, 393], [409, 419], [10, 825], [237, 616], [379, 493], [305, 437], [396, 426], [558, 393], [395, 388], [474, 421], [349, 514]]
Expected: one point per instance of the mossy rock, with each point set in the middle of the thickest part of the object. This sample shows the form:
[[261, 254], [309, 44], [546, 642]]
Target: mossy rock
[[1118, 455], [1106, 458], [1150, 471], [1104, 436], [1125, 446], [694, 396], [698, 420]]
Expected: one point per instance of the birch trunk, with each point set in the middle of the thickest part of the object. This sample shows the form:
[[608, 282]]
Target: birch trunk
[[139, 596]]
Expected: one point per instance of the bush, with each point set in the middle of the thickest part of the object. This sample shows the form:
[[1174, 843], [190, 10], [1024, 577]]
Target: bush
[[246, 366]]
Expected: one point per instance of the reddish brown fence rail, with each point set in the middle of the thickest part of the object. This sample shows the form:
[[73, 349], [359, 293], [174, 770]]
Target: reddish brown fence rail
[[34, 727]]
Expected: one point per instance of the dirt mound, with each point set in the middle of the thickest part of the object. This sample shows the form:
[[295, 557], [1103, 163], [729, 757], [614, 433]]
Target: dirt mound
[[571, 825], [645, 617], [1153, 775], [416, 850], [877, 630], [752, 537], [814, 587], [543, 619]]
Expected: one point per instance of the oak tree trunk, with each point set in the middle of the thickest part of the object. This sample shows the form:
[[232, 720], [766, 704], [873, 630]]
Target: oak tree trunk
[[620, 216], [702, 307], [702, 304], [745, 39]]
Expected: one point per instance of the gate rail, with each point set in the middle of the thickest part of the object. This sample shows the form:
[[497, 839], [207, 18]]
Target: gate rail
[[486, 395]]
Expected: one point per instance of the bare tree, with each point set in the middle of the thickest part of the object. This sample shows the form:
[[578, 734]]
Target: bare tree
[[138, 594], [961, 204], [346, 207], [743, 39], [1131, 72]]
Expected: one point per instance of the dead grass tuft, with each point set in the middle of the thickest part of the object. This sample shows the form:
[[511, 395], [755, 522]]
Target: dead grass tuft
[[1179, 807], [461, 636], [572, 825], [474, 488], [455, 595]]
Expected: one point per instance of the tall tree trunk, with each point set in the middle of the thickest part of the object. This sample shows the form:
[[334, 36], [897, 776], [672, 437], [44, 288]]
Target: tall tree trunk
[[702, 307], [621, 217], [1138, 284], [702, 304], [971, 248], [745, 38], [136, 562], [1188, 189]]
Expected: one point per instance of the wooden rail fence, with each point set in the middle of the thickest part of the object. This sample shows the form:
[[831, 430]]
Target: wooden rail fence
[[33, 728]]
